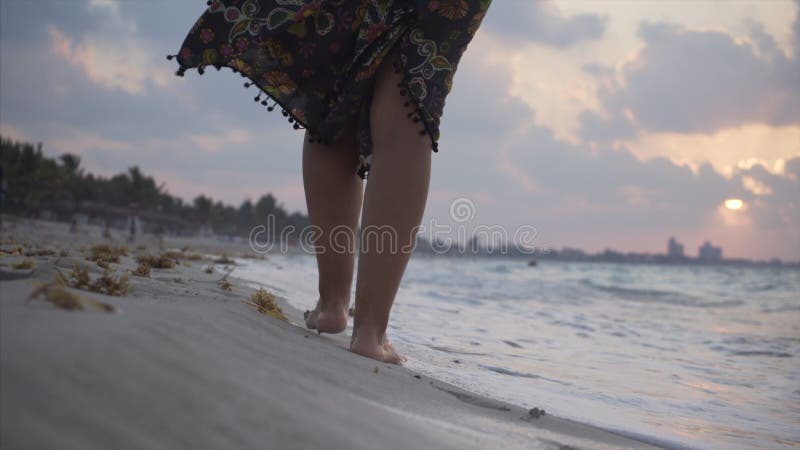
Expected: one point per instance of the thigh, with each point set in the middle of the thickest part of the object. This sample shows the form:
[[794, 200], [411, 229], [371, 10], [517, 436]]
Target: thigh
[[393, 119]]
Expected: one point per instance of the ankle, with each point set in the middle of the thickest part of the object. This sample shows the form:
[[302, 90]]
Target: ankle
[[333, 303], [367, 336]]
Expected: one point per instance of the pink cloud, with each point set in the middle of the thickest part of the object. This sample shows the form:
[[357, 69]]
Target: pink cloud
[[113, 63]]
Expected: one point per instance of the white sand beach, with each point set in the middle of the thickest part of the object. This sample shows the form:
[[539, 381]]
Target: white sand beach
[[183, 363]]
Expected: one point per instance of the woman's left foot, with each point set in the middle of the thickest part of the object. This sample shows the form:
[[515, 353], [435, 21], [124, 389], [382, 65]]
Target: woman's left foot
[[381, 351], [334, 321]]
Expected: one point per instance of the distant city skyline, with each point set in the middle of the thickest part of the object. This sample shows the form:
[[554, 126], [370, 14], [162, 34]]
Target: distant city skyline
[[705, 252], [577, 117]]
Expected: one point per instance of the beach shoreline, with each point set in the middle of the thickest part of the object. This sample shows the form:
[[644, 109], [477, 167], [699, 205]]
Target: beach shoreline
[[183, 362]]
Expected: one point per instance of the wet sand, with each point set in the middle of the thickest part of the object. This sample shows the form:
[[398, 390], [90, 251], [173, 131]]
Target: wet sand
[[183, 363]]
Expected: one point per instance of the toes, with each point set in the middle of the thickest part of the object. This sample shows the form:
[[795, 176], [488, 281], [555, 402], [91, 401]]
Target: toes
[[379, 354], [394, 358], [307, 316]]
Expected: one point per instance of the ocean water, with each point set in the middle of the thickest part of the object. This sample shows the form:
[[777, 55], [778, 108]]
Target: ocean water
[[681, 356]]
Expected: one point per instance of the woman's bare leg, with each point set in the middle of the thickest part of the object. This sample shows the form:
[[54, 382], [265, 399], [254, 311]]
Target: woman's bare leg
[[395, 198], [333, 197]]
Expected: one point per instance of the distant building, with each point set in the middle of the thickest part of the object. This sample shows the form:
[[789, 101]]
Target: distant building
[[674, 249], [572, 253], [710, 253]]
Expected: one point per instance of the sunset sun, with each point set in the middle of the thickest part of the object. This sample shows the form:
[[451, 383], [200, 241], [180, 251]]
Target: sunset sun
[[734, 204]]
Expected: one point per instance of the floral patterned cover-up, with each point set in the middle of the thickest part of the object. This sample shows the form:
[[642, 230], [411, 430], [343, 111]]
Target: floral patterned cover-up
[[317, 59]]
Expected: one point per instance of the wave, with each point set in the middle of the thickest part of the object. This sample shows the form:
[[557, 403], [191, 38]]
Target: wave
[[658, 296], [779, 309], [452, 297], [761, 353], [757, 346], [454, 351], [514, 373]]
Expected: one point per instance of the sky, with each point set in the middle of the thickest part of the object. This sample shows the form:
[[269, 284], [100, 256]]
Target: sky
[[602, 124]]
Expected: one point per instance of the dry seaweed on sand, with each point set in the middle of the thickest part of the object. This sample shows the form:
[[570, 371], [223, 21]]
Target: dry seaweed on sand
[[252, 256], [105, 253], [224, 259], [109, 285], [156, 262], [174, 254], [15, 250], [25, 264], [142, 270], [78, 278], [56, 293], [106, 284], [223, 282], [41, 252], [264, 302], [535, 413]]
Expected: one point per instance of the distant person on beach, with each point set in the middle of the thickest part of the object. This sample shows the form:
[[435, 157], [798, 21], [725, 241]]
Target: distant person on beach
[[3, 188], [159, 232], [132, 226], [367, 80]]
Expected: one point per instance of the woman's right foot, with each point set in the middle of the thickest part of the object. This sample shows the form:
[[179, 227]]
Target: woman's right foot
[[328, 321], [381, 351]]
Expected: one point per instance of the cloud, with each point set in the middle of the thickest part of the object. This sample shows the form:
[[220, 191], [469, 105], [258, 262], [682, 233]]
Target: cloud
[[11, 132], [597, 127], [596, 195], [796, 30], [773, 198], [80, 142], [113, 10], [108, 48], [124, 64], [542, 22], [684, 81], [725, 149], [217, 142]]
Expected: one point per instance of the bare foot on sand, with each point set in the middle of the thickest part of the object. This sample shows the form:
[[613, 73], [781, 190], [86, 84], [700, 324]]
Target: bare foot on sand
[[380, 351], [326, 321]]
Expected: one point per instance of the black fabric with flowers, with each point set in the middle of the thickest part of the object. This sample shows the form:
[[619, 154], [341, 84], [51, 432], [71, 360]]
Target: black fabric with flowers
[[317, 59]]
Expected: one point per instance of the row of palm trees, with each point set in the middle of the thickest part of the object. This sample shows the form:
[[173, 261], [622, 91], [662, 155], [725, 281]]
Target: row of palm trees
[[33, 182]]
